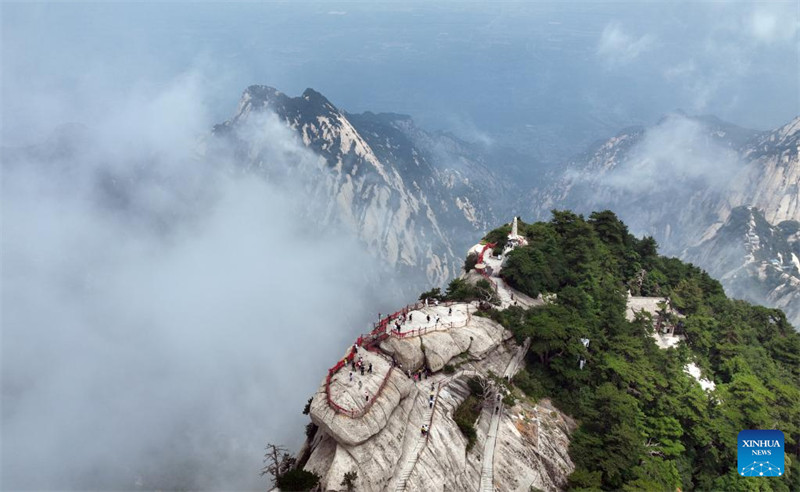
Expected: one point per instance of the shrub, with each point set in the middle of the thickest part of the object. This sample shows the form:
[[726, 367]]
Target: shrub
[[434, 293], [465, 416], [448, 369], [297, 479], [475, 386], [470, 262], [349, 480], [311, 429], [307, 408]]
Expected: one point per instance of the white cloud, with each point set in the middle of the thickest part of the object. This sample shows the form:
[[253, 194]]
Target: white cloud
[[617, 47], [773, 23], [159, 303]]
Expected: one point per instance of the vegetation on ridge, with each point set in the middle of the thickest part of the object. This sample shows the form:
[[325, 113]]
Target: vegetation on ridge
[[645, 424]]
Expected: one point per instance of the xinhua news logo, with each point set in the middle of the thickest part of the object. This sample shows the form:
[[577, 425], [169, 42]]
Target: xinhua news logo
[[761, 453]]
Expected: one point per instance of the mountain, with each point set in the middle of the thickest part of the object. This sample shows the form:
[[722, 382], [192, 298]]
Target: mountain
[[541, 372], [680, 182], [409, 194], [755, 260]]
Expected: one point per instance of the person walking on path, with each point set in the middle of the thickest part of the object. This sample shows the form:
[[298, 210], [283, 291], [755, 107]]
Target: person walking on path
[[351, 376], [366, 395], [362, 369], [428, 317], [450, 311], [410, 317], [370, 368]]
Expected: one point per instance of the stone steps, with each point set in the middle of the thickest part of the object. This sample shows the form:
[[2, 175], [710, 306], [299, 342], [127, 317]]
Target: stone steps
[[487, 468], [411, 461]]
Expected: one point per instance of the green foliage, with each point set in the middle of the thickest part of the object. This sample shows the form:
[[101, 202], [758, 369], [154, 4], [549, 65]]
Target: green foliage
[[470, 262], [644, 423], [449, 369], [297, 479], [434, 293], [465, 416], [475, 386], [307, 408], [311, 429], [349, 480], [463, 291]]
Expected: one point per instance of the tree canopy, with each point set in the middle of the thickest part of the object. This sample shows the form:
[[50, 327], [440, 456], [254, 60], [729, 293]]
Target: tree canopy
[[645, 423]]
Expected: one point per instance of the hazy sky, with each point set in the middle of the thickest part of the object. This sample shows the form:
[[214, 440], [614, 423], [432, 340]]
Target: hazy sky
[[157, 306], [483, 70]]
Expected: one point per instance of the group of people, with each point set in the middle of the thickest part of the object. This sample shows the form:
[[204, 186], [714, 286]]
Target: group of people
[[401, 320], [360, 365]]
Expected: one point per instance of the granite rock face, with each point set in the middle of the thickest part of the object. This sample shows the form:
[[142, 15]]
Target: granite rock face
[[531, 449]]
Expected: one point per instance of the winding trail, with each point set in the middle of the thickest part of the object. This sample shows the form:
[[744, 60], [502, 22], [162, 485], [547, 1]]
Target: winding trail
[[422, 440], [413, 456], [487, 463], [487, 470]]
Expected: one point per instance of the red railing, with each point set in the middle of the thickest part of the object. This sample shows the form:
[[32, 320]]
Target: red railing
[[483, 272], [430, 329], [370, 342]]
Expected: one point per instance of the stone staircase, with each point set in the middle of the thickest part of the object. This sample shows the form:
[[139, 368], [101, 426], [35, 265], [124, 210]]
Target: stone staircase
[[413, 457], [487, 469]]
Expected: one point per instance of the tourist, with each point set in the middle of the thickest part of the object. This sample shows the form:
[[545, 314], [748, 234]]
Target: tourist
[[366, 395], [410, 316], [362, 369], [351, 376], [370, 367], [450, 312], [428, 317]]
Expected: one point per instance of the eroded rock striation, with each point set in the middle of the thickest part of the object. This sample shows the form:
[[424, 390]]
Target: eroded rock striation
[[421, 366]]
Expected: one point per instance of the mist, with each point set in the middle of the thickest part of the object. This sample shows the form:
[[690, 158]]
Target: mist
[[165, 313], [671, 155]]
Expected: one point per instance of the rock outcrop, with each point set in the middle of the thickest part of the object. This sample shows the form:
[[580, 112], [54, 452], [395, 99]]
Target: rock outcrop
[[408, 194], [423, 369], [682, 181]]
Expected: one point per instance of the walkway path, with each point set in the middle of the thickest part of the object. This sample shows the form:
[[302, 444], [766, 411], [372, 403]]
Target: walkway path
[[508, 296], [422, 440], [487, 469], [519, 357]]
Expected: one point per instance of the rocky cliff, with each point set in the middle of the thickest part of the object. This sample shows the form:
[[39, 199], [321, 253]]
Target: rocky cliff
[[681, 181], [755, 260], [405, 192], [420, 361]]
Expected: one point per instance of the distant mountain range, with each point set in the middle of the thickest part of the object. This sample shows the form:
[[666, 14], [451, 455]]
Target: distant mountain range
[[704, 189], [723, 197], [415, 198], [418, 198]]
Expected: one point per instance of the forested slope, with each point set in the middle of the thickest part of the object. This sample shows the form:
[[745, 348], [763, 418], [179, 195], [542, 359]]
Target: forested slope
[[646, 424]]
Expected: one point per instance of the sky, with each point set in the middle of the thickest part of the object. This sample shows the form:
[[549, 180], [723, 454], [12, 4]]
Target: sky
[[157, 305], [547, 76]]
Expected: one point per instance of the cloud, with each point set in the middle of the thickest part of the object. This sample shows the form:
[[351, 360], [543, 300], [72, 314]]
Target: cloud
[[672, 155], [617, 47], [166, 313], [773, 23]]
